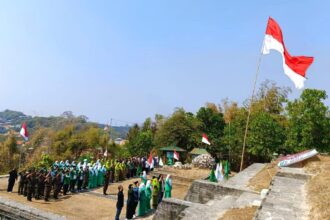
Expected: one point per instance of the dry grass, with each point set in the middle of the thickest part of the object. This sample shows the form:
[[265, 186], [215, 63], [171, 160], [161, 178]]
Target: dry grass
[[318, 187], [263, 179], [246, 213]]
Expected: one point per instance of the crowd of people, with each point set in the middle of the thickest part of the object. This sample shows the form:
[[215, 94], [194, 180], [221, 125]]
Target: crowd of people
[[71, 177]]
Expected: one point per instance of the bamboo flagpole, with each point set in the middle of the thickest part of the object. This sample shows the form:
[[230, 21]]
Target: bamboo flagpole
[[250, 107]]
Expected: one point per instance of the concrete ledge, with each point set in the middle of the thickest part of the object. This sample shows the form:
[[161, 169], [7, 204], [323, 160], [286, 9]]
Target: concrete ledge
[[170, 209], [202, 191], [295, 173], [16, 210]]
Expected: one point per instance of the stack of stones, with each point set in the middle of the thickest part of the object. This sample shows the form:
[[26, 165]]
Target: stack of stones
[[179, 165], [204, 161]]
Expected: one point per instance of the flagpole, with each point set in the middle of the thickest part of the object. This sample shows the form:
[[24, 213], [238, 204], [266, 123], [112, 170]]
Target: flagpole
[[250, 107]]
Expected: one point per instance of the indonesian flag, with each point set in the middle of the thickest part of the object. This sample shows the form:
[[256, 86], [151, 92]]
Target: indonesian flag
[[24, 132], [151, 161], [205, 139], [175, 155], [295, 67]]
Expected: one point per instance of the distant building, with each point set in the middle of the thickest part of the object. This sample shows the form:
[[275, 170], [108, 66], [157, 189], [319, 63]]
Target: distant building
[[120, 141]]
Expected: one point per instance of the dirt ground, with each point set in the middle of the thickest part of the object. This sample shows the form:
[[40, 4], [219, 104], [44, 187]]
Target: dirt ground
[[318, 187], [263, 179], [194, 173], [93, 205], [246, 213]]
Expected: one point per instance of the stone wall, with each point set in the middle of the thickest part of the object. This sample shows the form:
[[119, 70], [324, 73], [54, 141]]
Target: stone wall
[[202, 191], [15, 210], [170, 209]]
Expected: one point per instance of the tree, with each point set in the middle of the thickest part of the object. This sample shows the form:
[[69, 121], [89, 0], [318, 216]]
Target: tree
[[308, 122], [266, 136], [181, 129], [212, 123], [142, 144]]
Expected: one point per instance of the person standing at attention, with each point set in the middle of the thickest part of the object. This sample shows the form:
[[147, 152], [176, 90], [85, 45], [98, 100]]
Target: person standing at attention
[[11, 180], [168, 186], [120, 201]]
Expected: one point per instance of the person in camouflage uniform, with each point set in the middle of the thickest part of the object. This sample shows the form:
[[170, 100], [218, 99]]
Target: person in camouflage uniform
[[21, 181], [57, 183], [25, 188], [31, 183], [48, 186]]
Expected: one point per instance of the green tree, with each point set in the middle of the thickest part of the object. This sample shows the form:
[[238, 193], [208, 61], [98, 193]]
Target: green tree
[[212, 124], [309, 122], [266, 136], [182, 129]]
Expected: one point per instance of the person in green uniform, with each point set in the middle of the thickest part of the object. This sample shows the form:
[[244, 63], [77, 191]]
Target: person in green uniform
[[139, 170], [142, 200], [95, 176], [90, 178], [168, 186], [148, 195], [144, 177], [155, 192], [80, 178], [66, 181], [73, 179]]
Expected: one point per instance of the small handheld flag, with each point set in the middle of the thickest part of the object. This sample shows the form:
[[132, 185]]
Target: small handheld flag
[[175, 155], [151, 161], [24, 132], [205, 139]]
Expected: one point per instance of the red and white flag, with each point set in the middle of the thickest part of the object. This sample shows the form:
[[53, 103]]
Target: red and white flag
[[295, 67], [151, 161], [24, 132], [205, 139], [175, 155]]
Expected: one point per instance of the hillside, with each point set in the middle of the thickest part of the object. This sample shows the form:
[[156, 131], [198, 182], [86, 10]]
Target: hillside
[[12, 120]]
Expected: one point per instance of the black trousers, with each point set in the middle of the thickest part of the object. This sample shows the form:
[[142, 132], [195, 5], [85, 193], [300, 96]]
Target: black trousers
[[30, 192], [80, 182], [48, 189], [20, 188], [65, 188], [11, 183], [72, 185]]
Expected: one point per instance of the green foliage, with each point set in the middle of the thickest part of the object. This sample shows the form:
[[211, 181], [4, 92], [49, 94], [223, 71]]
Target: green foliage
[[181, 129], [45, 162], [212, 124], [266, 136], [308, 122]]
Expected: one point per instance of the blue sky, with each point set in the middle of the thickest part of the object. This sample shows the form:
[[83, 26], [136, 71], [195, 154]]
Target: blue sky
[[132, 59]]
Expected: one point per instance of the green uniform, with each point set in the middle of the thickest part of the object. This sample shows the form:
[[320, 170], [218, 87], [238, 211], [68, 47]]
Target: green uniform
[[148, 197], [142, 202], [168, 188]]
